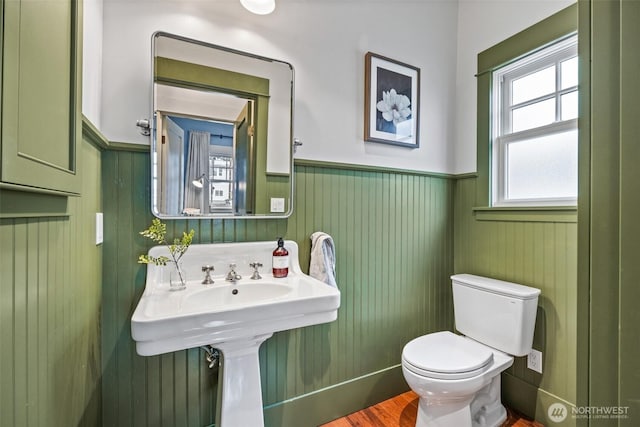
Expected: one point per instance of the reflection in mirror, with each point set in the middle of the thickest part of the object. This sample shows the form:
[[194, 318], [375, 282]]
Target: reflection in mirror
[[222, 134]]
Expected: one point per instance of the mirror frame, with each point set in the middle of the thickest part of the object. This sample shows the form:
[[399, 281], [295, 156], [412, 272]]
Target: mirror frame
[[154, 142]]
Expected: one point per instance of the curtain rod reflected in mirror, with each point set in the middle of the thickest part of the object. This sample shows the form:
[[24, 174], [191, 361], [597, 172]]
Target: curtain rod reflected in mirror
[[224, 119]]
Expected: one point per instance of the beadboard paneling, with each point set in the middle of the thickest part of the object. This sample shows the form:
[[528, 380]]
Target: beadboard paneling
[[393, 234], [50, 310], [538, 254]]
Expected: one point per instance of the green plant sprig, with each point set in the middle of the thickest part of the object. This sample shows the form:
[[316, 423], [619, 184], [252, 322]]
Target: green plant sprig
[[157, 232]]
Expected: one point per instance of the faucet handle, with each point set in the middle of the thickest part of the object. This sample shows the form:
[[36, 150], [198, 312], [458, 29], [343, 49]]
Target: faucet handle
[[207, 278], [232, 276], [256, 275]]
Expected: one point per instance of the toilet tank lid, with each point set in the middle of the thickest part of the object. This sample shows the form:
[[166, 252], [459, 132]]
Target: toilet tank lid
[[501, 287]]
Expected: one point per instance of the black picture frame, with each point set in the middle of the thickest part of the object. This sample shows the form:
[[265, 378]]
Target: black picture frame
[[392, 102]]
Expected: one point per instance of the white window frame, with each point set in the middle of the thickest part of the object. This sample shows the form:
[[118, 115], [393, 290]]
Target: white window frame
[[554, 53]]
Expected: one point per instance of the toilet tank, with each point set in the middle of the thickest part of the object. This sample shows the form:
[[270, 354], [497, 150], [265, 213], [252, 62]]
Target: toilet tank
[[499, 314]]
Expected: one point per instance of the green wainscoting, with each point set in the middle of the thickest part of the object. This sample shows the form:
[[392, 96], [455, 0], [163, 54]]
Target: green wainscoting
[[539, 253], [393, 234], [50, 297]]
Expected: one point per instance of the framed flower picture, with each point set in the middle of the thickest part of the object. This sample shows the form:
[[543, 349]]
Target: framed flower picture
[[392, 101]]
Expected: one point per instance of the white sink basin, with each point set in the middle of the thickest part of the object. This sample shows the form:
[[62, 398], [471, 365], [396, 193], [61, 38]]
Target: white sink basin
[[224, 297], [199, 299], [232, 317], [166, 321]]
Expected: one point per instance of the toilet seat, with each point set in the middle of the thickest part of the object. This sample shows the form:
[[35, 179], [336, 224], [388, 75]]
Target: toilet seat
[[445, 355]]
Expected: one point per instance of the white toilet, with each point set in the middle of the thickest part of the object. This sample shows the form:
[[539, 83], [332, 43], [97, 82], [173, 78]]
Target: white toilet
[[458, 377]]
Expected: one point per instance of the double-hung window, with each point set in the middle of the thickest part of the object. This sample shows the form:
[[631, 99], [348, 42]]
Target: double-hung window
[[534, 144]]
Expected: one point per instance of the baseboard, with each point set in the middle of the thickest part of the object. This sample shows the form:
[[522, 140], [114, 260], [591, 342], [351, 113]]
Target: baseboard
[[313, 409], [519, 395], [534, 402]]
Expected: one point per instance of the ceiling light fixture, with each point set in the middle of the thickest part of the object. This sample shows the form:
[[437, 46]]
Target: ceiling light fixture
[[259, 7]]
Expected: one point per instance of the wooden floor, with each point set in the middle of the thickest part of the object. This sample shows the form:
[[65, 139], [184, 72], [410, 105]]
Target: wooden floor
[[401, 411]]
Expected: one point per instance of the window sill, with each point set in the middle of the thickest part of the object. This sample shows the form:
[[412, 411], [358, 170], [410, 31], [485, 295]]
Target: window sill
[[527, 214]]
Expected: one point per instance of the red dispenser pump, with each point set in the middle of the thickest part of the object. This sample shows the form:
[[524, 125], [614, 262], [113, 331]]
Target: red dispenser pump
[[280, 260]]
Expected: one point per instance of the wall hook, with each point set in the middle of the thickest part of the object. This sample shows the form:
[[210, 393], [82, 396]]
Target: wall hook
[[212, 356]]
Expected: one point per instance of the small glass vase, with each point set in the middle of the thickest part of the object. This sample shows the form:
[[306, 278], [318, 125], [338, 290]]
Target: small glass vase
[[177, 276]]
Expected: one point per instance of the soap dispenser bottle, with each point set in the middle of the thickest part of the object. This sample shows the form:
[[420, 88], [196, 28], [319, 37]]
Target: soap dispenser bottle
[[280, 260]]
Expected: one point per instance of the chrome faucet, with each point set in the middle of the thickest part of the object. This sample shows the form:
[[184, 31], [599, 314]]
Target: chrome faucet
[[232, 276], [207, 278], [256, 275]]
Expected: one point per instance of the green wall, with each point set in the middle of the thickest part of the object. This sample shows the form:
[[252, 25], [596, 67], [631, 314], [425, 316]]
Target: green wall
[[533, 246], [396, 245], [393, 233], [610, 230], [535, 250], [50, 298]]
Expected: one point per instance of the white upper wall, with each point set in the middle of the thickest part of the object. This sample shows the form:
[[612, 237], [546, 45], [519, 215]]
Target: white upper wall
[[92, 60], [326, 42], [482, 24]]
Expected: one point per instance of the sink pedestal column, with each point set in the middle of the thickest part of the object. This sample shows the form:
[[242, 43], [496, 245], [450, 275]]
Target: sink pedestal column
[[241, 390]]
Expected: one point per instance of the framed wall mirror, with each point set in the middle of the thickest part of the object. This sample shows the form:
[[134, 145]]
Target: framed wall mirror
[[222, 132]]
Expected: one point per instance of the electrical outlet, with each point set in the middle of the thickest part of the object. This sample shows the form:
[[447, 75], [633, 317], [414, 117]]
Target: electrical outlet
[[534, 361]]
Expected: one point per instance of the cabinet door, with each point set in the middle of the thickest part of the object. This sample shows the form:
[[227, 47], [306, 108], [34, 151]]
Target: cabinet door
[[41, 94]]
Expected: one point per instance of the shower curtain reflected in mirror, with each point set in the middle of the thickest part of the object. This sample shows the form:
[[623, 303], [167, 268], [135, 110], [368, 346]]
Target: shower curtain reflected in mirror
[[197, 165]]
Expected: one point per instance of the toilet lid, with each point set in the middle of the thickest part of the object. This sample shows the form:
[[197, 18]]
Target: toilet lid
[[446, 355]]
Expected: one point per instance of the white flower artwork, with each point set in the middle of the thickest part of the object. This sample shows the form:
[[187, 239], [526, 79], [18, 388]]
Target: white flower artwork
[[394, 106]]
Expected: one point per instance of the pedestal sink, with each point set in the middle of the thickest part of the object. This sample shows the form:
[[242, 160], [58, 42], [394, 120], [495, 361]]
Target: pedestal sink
[[235, 318]]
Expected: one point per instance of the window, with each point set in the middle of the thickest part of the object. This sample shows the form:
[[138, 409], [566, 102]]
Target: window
[[221, 180], [534, 145]]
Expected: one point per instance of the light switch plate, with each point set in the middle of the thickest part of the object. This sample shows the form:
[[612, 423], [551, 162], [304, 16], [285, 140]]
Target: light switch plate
[[277, 204], [99, 227]]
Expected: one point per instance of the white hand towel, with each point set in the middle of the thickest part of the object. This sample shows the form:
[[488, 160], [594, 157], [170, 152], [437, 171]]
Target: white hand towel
[[323, 258]]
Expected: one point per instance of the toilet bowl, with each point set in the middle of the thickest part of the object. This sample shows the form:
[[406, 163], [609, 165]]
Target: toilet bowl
[[457, 377]]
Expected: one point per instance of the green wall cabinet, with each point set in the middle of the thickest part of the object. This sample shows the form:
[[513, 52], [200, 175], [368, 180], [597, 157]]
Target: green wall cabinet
[[41, 76]]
